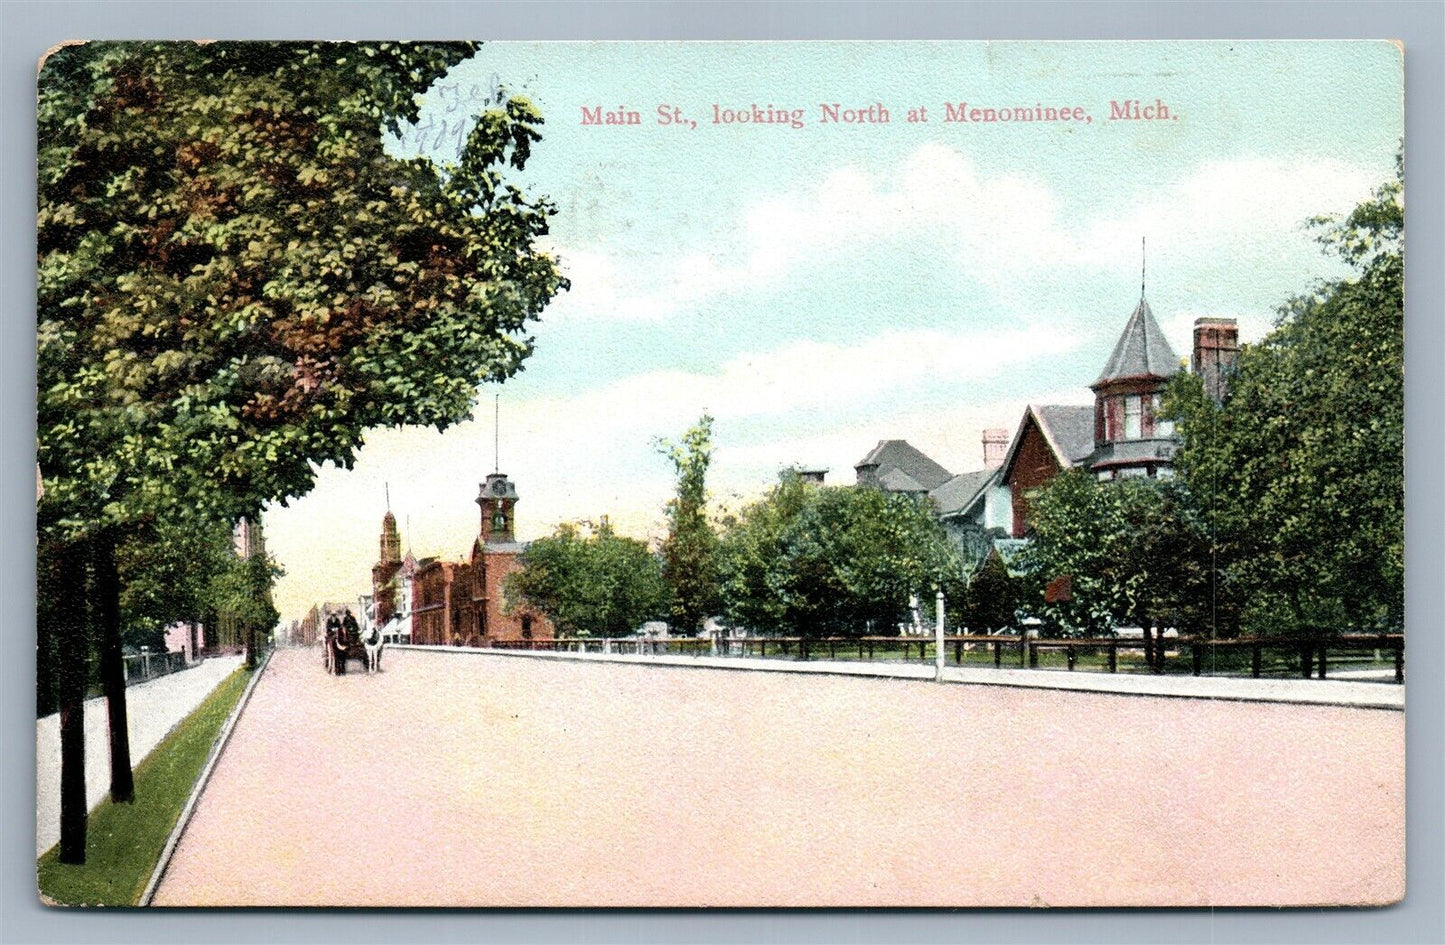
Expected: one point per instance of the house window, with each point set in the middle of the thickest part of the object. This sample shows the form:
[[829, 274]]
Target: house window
[[1133, 415], [1162, 428]]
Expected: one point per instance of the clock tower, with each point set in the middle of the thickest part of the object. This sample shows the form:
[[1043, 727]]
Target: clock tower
[[498, 500]]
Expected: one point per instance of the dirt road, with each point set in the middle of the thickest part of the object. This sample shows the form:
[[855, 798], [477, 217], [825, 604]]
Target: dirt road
[[457, 780]]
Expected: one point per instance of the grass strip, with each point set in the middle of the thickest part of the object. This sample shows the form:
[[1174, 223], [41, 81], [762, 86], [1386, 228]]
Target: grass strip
[[123, 841]]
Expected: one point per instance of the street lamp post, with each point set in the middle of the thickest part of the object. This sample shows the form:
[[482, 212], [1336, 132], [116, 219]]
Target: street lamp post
[[938, 650]]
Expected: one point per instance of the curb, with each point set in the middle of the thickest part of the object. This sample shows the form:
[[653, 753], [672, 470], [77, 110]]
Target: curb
[[184, 819], [1052, 683]]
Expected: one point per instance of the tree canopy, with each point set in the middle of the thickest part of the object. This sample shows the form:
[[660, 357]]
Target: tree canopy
[[590, 581], [236, 280], [836, 561], [1135, 550], [1300, 470], [689, 553]]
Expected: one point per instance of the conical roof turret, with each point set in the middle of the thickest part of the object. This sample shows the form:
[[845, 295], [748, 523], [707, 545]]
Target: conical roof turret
[[1142, 350]]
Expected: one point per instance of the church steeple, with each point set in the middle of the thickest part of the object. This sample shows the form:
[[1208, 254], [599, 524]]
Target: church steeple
[[388, 562], [390, 538]]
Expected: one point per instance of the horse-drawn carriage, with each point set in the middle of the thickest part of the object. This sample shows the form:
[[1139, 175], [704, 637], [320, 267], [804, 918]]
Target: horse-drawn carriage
[[347, 640]]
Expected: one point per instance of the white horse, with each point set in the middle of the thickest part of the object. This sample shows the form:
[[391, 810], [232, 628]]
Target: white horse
[[372, 640]]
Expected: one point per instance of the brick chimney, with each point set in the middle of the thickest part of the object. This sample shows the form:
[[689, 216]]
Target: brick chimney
[[995, 445], [1216, 351]]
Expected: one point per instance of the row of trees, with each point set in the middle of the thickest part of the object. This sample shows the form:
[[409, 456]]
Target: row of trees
[[802, 560], [1286, 515], [236, 280]]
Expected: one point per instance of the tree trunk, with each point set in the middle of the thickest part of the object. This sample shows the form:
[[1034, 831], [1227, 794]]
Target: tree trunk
[[69, 614], [1149, 654], [112, 668], [250, 645]]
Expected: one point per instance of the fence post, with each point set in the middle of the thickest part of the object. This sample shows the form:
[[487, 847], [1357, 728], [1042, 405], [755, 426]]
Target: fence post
[[997, 654], [1254, 659], [870, 651], [145, 662], [803, 648], [1113, 657], [1033, 655], [1324, 648], [958, 652], [1196, 656], [1399, 661], [1306, 659], [1072, 655]]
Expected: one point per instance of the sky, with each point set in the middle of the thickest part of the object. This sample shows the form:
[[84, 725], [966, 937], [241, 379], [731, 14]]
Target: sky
[[817, 289]]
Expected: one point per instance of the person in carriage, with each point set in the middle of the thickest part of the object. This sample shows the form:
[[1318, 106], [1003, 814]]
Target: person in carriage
[[345, 633]]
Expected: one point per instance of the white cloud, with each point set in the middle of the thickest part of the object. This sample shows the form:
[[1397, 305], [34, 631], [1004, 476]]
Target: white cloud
[[1002, 230]]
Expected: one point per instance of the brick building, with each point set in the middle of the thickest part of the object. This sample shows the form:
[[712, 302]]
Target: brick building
[[463, 603]]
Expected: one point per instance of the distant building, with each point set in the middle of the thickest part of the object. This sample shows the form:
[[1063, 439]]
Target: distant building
[[384, 585], [974, 506], [463, 603], [898, 466]]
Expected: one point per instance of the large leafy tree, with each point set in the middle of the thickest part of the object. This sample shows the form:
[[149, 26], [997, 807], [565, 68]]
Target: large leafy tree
[[590, 581], [1135, 550], [236, 281], [831, 561], [1299, 472], [689, 553]]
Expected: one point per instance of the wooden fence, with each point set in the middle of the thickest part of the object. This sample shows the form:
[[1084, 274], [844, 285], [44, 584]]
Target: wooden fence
[[1311, 655]]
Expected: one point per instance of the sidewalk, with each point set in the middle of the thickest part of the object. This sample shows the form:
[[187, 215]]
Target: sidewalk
[[1339, 692], [152, 710]]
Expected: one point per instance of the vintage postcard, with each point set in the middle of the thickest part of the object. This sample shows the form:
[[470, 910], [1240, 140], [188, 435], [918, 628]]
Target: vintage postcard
[[720, 474]]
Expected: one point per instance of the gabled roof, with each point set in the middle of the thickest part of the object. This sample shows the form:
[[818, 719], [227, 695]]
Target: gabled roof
[[1142, 350], [896, 480], [899, 455], [960, 492], [1068, 430]]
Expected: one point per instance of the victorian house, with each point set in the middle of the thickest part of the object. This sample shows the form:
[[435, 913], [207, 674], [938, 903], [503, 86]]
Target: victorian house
[[1121, 435]]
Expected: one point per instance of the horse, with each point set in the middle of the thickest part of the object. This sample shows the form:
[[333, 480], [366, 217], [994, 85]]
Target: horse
[[372, 640]]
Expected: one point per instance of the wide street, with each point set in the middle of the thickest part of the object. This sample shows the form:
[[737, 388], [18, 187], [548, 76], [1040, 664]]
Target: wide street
[[483, 780]]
